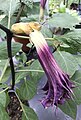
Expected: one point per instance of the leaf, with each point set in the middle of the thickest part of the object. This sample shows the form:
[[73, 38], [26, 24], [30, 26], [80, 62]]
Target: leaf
[[5, 6], [72, 1], [3, 113], [34, 69], [76, 78], [29, 114], [2, 64], [20, 75], [69, 108], [2, 85], [3, 98], [63, 20], [29, 3], [29, 89], [78, 58], [73, 39], [7, 99], [4, 70], [3, 49], [4, 22], [46, 32], [66, 61], [2, 16], [6, 75], [30, 84], [38, 73], [35, 9]]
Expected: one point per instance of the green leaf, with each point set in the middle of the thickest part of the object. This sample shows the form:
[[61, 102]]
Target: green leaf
[[73, 39], [29, 89], [20, 75], [29, 3], [38, 73], [30, 18], [34, 70], [6, 75], [35, 9], [69, 108], [34, 73], [3, 49], [66, 61], [29, 114], [46, 32], [63, 20], [76, 78], [78, 58], [4, 22], [2, 85], [6, 4], [4, 70], [72, 1], [3, 113], [2, 64], [7, 99], [3, 98]]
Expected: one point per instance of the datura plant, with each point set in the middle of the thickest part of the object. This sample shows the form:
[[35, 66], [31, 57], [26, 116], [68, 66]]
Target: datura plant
[[58, 88]]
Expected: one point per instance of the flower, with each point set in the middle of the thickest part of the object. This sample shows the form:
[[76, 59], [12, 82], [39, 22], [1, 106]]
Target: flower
[[42, 3], [58, 87], [42, 7]]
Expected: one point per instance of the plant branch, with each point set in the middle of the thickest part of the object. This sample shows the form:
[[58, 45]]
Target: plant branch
[[30, 70], [20, 11], [9, 15], [4, 90], [25, 37]]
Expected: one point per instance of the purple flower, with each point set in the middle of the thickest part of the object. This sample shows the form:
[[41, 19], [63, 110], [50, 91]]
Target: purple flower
[[58, 87], [42, 3]]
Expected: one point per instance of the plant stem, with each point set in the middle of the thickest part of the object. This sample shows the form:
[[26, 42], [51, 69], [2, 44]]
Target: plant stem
[[25, 37], [20, 11], [9, 38], [64, 2], [30, 71], [4, 90], [9, 14]]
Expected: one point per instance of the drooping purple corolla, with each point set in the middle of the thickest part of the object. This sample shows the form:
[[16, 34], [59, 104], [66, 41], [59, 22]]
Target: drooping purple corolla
[[58, 87], [42, 3]]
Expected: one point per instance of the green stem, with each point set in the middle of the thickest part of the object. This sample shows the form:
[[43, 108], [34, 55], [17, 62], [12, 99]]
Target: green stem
[[25, 37], [9, 14], [20, 11], [4, 90], [30, 71]]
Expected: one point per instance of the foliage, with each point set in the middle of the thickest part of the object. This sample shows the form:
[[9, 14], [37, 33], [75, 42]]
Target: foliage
[[67, 55], [62, 20]]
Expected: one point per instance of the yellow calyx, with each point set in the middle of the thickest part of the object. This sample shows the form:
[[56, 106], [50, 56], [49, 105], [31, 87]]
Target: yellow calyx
[[25, 28]]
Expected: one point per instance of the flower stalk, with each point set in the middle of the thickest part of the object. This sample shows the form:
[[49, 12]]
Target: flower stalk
[[42, 7]]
